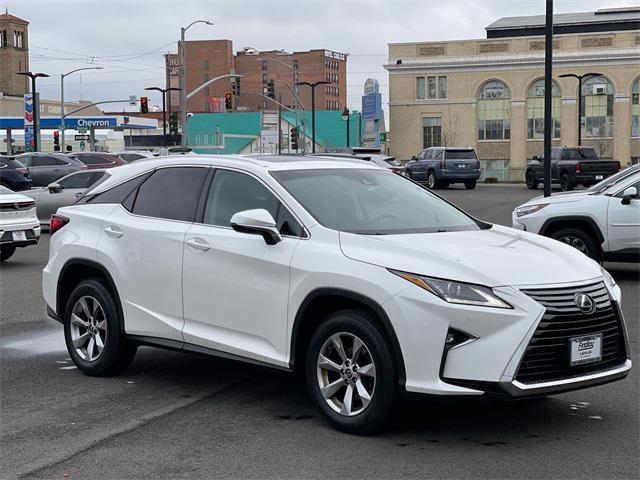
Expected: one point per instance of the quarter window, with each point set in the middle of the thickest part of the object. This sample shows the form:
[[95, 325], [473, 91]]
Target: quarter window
[[232, 192], [171, 193]]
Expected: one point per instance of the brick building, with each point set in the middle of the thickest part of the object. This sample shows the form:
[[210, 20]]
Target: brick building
[[207, 59], [14, 55]]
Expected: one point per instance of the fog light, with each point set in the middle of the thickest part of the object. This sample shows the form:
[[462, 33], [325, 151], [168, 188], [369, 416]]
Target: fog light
[[450, 338], [456, 337]]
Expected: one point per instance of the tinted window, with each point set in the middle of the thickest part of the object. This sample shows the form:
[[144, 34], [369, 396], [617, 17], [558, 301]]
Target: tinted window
[[372, 202], [438, 154], [120, 193], [11, 163], [81, 180], [579, 154], [171, 193], [460, 155], [46, 161], [233, 192], [26, 160], [90, 159]]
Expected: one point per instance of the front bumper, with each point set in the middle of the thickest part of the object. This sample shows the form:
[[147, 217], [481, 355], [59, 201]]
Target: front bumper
[[489, 362]]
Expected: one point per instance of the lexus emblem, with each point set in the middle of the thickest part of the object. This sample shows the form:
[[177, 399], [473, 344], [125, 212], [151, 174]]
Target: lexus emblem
[[585, 303]]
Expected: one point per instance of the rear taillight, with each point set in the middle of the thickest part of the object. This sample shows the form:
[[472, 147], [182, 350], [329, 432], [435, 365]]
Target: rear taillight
[[396, 169], [578, 167], [442, 162], [57, 222], [24, 171]]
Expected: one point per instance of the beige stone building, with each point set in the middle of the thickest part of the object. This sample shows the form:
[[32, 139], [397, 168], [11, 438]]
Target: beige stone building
[[489, 93]]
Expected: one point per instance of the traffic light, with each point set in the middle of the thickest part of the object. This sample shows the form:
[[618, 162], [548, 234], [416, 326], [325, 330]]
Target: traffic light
[[56, 141], [294, 138], [271, 89], [173, 123], [228, 101], [235, 85], [144, 105]]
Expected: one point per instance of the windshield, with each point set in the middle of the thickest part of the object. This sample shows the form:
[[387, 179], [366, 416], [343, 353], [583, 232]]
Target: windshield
[[613, 180], [371, 202]]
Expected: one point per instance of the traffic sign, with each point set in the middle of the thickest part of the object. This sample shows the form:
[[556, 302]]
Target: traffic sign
[[81, 137], [133, 100], [82, 129], [82, 145]]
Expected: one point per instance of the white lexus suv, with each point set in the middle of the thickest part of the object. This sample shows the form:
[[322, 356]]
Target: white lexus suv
[[369, 283]]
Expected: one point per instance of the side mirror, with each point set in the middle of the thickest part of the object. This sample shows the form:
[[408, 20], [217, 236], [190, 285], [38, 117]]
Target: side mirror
[[629, 194], [536, 158], [54, 187], [257, 221], [413, 157]]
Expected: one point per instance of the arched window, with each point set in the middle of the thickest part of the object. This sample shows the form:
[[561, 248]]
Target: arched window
[[635, 108], [535, 110], [494, 102], [596, 116]]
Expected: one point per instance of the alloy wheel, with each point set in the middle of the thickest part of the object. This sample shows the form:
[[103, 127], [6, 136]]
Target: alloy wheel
[[431, 181], [88, 328], [346, 374], [576, 243]]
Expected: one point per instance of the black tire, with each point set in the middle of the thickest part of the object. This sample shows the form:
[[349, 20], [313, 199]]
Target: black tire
[[117, 353], [408, 174], [470, 185], [566, 185], [532, 182], [363, 325], [432, 182], [6, 252], [579, 239]]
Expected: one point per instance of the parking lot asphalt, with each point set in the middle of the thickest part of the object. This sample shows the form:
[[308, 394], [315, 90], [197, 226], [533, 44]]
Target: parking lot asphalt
[[174, 415]]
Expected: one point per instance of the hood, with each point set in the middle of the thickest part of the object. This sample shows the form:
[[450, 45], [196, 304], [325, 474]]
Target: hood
[[499, 256], [560, 197]]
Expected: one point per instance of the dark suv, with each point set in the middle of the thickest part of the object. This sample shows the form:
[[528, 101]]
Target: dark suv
[[13, 174], [442, 166], [45, 168]]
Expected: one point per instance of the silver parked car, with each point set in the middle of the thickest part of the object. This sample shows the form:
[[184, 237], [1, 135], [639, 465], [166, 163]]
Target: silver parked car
[[63, 192]]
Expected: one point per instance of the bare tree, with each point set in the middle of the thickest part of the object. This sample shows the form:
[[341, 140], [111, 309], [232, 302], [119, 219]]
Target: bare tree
[[601, 142], [449, 135]]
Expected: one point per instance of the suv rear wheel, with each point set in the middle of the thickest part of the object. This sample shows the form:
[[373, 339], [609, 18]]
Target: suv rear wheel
[[92, 331], [470, 185], [351, 372], [432, 183], [578, 239], [6, 252]]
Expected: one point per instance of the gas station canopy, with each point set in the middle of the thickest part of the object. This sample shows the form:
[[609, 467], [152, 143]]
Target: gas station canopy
[[73, 123]]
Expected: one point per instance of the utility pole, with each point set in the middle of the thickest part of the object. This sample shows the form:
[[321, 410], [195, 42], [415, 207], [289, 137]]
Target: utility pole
[[183, 78], [313, 109], [548, 96], [279, 124]]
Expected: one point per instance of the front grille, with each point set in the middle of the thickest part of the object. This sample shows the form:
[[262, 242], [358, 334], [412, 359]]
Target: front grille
[[547, 356]]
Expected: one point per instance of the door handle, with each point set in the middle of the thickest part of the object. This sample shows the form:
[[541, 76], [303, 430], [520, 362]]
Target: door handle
[[78, 195], [198, 244], [113, 231]]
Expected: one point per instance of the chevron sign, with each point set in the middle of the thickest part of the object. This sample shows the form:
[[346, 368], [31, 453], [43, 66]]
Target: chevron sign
[[28, 110]]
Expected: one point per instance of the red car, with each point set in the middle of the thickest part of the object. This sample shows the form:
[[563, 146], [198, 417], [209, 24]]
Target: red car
[[98, 160]]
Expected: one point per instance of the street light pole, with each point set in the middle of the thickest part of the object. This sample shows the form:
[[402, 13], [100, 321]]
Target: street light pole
[[183, 78], [580, 78], [313, 110], [163, 91], [548, 96], [36, 105], [62, 117]]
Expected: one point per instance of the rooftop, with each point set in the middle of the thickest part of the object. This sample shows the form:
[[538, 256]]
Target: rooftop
[[7, 17]]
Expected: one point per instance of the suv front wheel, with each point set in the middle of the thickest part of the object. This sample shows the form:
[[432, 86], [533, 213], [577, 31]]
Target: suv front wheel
[[351, 372], [92, 331]]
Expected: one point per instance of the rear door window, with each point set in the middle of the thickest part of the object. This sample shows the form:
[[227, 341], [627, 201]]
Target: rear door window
[[171, 193], [90, 159], [46, 161], [81, 180]]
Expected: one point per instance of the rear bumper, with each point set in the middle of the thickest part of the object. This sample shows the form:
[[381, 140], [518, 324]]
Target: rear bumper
[[32, 232], [582, 178], [457, 176]]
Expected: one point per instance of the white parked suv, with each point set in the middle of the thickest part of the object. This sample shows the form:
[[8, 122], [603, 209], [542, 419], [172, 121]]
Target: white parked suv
[[602, 222], [19, 225], [357, 276]]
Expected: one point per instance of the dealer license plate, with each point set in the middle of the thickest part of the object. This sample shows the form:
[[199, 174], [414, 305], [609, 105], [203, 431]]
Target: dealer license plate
[[19, 236], [586, 349], [462, 165], [599, 177]]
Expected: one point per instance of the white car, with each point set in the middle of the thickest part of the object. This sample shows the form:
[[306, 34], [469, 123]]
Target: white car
[[319, 265], [602, 222], [19, 226]]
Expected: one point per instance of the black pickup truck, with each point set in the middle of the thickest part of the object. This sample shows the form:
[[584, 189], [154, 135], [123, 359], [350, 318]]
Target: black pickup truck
[[571, 166]]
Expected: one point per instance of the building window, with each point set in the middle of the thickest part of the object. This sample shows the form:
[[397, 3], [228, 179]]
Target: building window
[[596, 117], [264, 65], [3, 38], [264, 78], [420, 88], [635, 108], [295, 64], [442, 87], [535, 110], [205, 65], [431, 132], [493, 111], [431, 87]]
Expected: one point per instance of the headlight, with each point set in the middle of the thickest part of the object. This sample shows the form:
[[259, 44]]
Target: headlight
[[608, 279], [456, 292], [527, 209]]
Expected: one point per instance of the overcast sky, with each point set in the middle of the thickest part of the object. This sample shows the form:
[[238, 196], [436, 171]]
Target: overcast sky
[[128, 37]]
